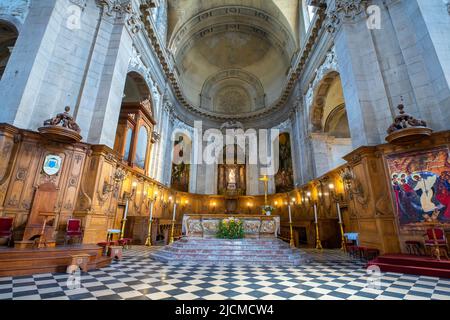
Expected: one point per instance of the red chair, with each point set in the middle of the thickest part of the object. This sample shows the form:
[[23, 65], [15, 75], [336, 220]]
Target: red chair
[[125, 242], [73, 230], [435, 240], [6, 229], [105, 245]]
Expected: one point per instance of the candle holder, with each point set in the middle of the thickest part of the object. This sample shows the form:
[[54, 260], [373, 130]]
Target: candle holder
[[172, 230], [127, 196], [148, 242], [343, 242], [291, 229], [316, 219], [318, 242], [336, 199]]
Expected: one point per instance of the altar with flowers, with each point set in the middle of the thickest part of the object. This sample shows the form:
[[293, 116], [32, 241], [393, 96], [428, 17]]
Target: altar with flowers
[[217, 225]]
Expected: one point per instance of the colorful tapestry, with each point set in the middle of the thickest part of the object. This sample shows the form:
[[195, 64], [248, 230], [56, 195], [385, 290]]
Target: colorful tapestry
[[421, 186]]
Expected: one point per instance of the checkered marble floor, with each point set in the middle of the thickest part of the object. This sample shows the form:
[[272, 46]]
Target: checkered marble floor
[[331, 275]]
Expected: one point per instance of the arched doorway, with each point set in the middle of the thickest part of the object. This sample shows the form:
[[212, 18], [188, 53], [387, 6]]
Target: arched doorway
[[134, 134], [8, 38]]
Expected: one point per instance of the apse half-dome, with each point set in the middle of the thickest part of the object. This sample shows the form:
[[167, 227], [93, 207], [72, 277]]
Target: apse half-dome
[[232, 57]]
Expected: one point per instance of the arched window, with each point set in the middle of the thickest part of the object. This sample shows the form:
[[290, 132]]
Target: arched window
[[141, 148], [129, 138], [311, 12], [308, 14]]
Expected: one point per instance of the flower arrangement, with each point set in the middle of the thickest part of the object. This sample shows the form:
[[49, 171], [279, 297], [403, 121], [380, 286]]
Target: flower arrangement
[[230, 228], [268, 210]]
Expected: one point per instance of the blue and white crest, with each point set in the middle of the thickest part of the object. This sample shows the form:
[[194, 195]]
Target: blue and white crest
[[52, 164]]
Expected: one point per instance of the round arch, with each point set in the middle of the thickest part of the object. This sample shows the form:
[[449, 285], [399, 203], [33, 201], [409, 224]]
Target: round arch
[[8, 37], [137, 90], [320, 94]]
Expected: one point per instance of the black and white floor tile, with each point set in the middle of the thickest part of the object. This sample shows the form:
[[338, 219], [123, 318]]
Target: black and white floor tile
[[331, 275]]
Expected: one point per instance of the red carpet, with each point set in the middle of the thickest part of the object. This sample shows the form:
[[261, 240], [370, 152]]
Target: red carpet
[[424, 266]]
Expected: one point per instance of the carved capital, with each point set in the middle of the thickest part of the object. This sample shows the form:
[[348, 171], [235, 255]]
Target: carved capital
[[116, 8], [344, 11]]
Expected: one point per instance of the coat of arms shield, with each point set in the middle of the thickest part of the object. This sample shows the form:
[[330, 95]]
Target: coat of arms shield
[[52, 164]]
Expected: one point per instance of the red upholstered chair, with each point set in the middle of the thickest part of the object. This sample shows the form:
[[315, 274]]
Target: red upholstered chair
[[436, 241], [125, 242], [106, 244], [73, 230], [6, 229]]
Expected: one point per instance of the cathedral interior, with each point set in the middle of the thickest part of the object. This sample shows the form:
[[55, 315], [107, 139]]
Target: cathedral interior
[[224, 149]]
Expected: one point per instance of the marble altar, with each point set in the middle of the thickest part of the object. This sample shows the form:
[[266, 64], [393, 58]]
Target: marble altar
[[255, 226]]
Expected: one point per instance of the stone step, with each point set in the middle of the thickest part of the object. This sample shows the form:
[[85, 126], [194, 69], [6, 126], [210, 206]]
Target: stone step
[[241, 252], [214, 241], [230, 251], [226, 260], [229, 247], [209, 257]]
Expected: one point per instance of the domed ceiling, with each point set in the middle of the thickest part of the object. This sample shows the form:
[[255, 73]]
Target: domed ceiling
[[232, 56]]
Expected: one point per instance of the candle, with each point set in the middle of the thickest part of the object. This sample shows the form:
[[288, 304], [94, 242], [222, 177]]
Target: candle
[[339, 212], [315, 213], [151, 210], [174, 211], [125, 214], [290, 214]]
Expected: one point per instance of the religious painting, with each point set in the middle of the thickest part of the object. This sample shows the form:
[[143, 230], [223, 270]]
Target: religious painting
[[421, 186], [180, 164], [284, 179]]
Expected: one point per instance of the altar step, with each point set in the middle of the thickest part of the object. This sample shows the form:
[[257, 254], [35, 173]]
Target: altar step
[[235, 252], [19, 262]]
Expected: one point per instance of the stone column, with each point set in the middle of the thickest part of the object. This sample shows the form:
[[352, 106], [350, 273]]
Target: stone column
[[422, 28], [113, 54], [21, 83], [320, 153], [366, 92]]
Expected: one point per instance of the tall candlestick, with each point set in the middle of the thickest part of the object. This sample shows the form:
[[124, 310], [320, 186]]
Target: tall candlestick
[[292, 242], [318, 242], [315, 214], [149, 235], [343, 241], [174, 211], [173, 222], [124, 220]]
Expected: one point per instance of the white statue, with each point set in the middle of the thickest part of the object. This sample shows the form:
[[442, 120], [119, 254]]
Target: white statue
[[232, 176], [426, 185]]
